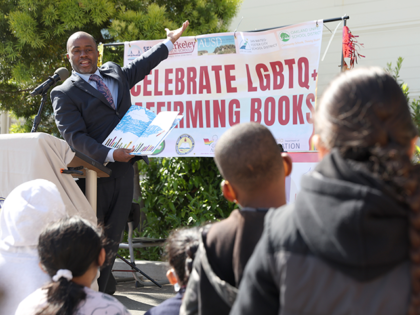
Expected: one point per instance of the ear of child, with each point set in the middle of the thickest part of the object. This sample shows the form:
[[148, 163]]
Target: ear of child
[[102, 257], [287, 164], [228, 191], [413, 146], [42, 268], [87, 278], [322, 150], [170, 274]]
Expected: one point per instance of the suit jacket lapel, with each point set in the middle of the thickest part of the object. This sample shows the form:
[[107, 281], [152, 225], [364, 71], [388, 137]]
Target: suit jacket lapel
[[86, 87], [111, 73]]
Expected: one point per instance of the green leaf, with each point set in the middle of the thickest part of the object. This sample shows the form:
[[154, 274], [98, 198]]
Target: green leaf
[[171, 205]]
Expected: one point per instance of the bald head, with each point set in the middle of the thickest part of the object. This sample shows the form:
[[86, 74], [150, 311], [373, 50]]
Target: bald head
[[248, 157], [78, 35], [82, 53]]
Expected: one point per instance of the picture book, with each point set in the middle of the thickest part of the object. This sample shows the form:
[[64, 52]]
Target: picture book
[[142, 129]]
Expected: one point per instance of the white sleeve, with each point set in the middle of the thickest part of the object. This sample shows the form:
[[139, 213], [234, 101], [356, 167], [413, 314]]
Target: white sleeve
[[168, 44], [110, 156]]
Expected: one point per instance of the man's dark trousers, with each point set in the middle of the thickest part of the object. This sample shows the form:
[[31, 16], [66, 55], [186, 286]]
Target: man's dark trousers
[[117, 194]]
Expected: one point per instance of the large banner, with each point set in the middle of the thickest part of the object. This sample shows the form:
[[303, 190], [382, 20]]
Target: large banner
[[303, 163], [219, 80]]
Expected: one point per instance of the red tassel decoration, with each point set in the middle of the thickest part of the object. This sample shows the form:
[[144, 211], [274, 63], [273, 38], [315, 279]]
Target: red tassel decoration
[[349, 46]]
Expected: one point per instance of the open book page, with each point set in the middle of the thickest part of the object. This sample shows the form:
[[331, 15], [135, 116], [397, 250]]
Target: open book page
[[175, 123], [130, 128], [155, 133]]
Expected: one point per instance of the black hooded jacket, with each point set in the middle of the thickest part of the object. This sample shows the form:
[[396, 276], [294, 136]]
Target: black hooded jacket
[[342, 248]]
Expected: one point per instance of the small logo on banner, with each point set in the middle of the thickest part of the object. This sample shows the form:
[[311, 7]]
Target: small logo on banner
[[133, 52], [184, 144], [218, 45], [211, 143], [183, 47], [245, 46], [258, 44], [160, 148], [284, 36]]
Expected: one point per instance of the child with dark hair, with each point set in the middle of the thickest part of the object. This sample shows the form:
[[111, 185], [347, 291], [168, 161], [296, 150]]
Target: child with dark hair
[[71, 251], [254, 171], [181, 247], [350, 243]]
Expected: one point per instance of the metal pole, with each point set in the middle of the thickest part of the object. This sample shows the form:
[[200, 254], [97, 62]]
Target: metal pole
[[342, 52], [113, 44], [138, 270], [92, 188], [325, 21], [337, 19], [262, 30], [4, 123], [37, 119]]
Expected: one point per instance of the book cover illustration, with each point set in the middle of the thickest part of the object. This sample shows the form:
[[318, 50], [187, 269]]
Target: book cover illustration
[[142, 129]]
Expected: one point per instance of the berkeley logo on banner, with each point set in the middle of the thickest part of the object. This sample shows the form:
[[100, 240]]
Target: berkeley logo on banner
[[218, 80]]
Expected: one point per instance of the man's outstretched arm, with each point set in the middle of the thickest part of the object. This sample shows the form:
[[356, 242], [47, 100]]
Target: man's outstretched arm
[[174, 35], [143, 65]]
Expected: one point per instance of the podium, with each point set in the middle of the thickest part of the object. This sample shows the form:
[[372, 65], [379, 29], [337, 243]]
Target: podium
[[28, 156], [91, 170]]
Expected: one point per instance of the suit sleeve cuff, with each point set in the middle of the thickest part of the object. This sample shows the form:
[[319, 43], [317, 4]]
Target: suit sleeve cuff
[[110, 156], [168, 44]]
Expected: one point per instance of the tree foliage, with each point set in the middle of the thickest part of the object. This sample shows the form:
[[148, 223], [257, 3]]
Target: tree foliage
[[414, 104], [34, 33]]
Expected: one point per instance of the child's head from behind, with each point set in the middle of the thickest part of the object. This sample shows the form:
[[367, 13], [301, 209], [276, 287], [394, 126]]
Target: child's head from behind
[[363, 110], [181, 247], [253, 166], [70, 251], [364, 117], [72, 244]]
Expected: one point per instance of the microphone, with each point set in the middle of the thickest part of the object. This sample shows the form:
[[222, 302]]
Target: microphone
[[59, 74]]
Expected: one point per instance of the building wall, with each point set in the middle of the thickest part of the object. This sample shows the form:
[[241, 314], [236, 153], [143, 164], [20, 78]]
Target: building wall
[[387, 28]]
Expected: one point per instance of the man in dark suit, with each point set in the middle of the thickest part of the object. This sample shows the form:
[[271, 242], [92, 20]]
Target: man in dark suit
[[88, 106]]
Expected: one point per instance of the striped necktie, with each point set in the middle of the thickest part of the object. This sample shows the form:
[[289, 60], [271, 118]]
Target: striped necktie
[[102, 88]]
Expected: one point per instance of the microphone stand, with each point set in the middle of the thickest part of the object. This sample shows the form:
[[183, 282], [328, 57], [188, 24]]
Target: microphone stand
[[37, 119], [133, 266]]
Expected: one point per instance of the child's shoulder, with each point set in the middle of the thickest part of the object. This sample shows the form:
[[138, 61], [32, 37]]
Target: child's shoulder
[[229, 223], [223, 232], [33, 302], [100, 302]]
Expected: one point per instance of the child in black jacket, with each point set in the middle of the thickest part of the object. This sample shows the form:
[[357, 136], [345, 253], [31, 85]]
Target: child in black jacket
[[254, 169]]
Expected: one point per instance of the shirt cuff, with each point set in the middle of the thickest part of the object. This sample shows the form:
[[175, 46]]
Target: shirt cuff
[[110, 156], [168, 44]]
